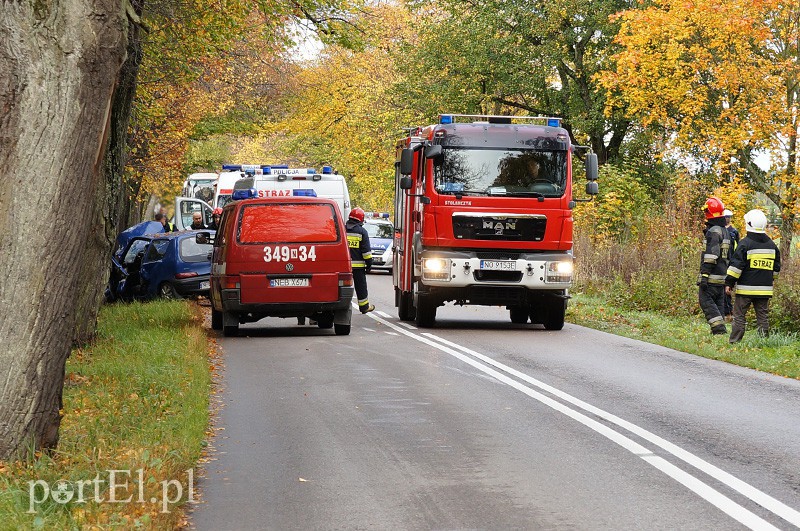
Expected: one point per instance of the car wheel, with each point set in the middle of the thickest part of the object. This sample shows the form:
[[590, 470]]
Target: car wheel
[[325, 320], [426, 313], [405, 308], [554, 316], [167, 291], [216, 319], [519, 314], [230, 324], [341, 329]]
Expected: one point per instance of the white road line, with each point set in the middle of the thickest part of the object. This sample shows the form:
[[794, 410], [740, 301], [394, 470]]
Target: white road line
[[407, 325], [369, 329], [382, 314], [768, 502], [716, 498], [392, 333]]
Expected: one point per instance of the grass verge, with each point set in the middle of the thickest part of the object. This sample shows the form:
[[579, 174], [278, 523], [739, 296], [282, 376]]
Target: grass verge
[[777, 354], [135, 417]]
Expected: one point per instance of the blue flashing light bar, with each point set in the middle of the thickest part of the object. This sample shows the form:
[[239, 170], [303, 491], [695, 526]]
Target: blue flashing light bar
[[445, 119], [246, 193], [327, 170], [304, 192], [554, 122], [232, 167]]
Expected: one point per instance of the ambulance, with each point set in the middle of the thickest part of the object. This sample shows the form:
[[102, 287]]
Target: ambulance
[[281, 181], [188, 204]]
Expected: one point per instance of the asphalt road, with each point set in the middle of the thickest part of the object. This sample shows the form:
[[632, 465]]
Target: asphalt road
[[483, 424]]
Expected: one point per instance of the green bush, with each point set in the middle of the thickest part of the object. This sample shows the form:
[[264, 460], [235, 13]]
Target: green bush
[[785, 305]]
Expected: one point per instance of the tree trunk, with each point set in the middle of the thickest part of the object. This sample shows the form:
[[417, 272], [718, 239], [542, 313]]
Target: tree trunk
[[58, 65], [112, 203]]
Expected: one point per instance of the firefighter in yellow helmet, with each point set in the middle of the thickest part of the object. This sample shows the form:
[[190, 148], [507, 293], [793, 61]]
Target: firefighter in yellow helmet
[[714, 266]]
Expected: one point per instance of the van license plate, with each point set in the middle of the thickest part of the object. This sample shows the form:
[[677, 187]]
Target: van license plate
[[288, 282], [498, 265], [205, 284]]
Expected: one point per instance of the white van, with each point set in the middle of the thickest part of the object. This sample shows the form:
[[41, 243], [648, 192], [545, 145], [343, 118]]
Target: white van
[[279, 181]]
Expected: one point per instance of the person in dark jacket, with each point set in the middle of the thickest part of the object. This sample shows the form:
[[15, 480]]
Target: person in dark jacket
[[360, 256], [714, 266], [215, 217], [751, 274], [197, 222], [734, 234]]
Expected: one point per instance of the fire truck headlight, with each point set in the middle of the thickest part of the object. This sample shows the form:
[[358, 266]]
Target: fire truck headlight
[[559, 271], [435, 269]]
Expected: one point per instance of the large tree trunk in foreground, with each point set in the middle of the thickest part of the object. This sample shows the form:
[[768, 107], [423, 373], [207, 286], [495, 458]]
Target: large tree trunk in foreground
[[58, 66]]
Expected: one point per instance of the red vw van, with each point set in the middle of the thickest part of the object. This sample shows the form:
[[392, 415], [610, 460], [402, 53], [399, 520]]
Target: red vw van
[[281, 257]]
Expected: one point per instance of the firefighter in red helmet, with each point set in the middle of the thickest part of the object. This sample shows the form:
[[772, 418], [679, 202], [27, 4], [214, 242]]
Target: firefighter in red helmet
[[360, 256], [714, 265]]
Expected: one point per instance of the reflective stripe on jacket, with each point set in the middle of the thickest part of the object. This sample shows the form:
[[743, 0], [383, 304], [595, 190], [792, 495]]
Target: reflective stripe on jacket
[[358, 241]]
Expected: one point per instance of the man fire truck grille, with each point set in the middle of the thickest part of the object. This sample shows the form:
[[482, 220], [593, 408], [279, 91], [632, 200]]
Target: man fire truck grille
[[503, 229]]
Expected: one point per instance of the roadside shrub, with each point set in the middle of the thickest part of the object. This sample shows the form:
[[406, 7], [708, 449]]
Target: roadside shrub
[[785, 305]]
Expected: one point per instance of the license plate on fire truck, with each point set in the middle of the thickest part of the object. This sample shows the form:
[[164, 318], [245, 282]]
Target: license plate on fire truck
[[498, 265]]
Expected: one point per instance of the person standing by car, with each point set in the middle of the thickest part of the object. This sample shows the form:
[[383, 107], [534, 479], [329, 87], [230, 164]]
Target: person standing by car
[[714, 266], [360, 256], [751, 274], [197, 222], [168, 227], [215, 217]]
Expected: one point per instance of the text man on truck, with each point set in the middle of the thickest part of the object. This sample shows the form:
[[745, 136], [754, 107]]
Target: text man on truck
[[483, 215]]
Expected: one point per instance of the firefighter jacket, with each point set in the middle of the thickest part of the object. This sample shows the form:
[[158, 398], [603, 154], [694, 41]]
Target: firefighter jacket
[[714, 259], [358, 241], [754, 265]]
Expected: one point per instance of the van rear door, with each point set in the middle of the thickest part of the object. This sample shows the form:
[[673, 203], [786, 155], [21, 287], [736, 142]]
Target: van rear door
[[290, 251]]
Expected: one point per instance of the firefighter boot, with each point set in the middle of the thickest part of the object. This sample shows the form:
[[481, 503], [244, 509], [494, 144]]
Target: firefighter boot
[[367, 308], [719, 329]]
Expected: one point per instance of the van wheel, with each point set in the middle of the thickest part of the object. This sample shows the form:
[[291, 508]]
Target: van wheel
[[406, 310], [341, 329], [325, 320], [554, 315], [216, 319], [519, 314], [426, 313], [230, 324]]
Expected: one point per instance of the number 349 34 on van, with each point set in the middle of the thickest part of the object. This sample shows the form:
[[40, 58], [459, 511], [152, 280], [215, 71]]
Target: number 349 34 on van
[[281, 257]]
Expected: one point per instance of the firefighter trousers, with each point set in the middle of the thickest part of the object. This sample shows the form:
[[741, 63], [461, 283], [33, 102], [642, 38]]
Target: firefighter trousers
[[741, 303], [360, 283], [712, 302]]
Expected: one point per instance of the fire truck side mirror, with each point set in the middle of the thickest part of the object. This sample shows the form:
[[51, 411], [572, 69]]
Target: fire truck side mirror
[[406, 183], [591, 167], [435, 153], [407, 162], [592, 188]]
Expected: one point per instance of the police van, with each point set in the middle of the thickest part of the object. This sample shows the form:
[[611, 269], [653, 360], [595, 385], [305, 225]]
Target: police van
[[381, 239], [281, 181]]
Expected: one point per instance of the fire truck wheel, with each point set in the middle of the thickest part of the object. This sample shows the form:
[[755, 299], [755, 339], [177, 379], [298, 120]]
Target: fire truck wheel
[[519, 314], [554, 319], [426, 313], [406, 310]]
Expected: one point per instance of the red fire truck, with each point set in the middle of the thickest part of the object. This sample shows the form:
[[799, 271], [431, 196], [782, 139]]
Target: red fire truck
[[483, 215]]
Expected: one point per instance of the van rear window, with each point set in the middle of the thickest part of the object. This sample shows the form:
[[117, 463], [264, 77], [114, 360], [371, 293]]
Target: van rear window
[[289, 223]]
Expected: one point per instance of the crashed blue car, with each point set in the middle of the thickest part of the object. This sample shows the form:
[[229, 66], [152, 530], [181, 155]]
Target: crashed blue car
[[169, 265]]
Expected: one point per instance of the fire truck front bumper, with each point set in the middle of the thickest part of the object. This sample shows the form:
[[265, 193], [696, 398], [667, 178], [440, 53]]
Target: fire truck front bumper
[[534, 271]]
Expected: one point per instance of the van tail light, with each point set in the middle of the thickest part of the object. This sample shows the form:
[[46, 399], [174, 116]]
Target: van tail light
[[190, 274], [230, 282], [345, 279]]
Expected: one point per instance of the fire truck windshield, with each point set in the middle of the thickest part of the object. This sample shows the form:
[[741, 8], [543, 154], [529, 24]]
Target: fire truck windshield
[[503, 171]]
